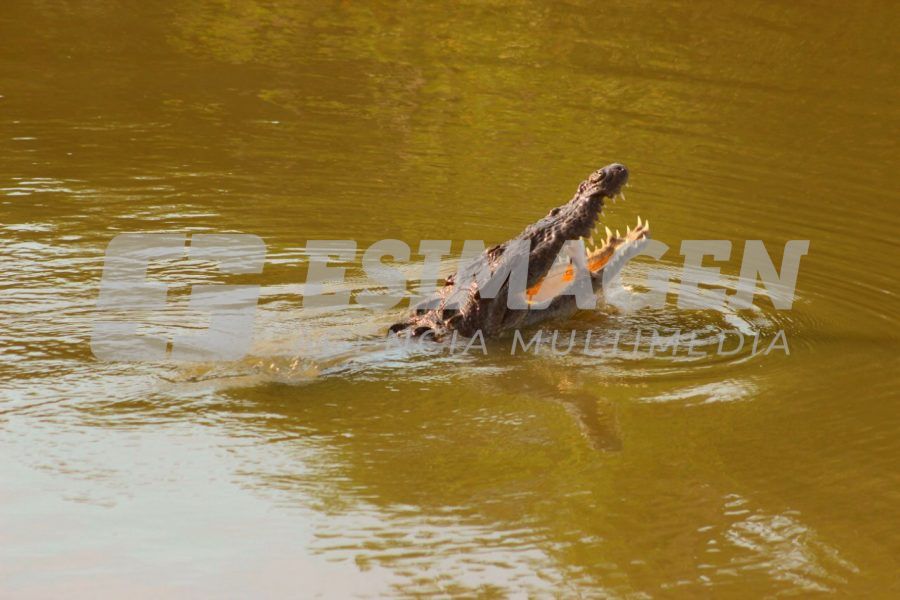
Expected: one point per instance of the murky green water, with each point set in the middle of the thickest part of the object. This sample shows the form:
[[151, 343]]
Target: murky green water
[[321, 466]]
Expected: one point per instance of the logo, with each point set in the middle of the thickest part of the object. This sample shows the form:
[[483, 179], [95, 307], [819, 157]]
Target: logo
[[126, 292], [131, 302]]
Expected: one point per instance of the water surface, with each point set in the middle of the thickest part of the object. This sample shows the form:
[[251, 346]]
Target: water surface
[[320, 466]]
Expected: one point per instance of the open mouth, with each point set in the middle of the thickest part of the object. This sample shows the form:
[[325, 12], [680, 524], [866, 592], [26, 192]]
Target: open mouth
[[599, 248]]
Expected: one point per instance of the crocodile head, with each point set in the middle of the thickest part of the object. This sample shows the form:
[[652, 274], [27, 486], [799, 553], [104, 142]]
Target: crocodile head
[[574, 220], [605, 253], [461, 306]]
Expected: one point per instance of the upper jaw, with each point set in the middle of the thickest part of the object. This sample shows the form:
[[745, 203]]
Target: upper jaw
[[580, 218], [615, 176], [606, 182]]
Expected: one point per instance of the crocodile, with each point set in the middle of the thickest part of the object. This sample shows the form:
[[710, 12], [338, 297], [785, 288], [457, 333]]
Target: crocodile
[[554, 267]]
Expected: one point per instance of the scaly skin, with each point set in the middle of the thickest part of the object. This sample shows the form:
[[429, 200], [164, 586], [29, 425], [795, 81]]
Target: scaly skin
[[469, 312]]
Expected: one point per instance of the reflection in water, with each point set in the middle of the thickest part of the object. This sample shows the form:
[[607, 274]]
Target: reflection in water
[[329, 463]]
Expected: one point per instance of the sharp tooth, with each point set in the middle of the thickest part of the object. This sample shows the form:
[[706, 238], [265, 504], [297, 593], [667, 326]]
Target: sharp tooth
[[618, 235], [639, 220], [622, 196], [608, 233]]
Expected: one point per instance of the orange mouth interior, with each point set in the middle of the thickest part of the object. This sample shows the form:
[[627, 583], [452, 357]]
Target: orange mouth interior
[[596, 259], [595, 262]]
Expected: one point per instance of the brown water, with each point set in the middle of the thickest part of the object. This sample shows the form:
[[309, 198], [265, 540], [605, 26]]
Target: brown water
[[303, 471]]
